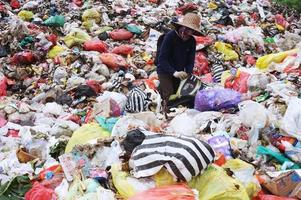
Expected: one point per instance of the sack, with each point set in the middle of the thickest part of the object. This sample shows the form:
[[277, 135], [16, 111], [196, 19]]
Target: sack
[[113, 61], [121, 34], [95, 45]]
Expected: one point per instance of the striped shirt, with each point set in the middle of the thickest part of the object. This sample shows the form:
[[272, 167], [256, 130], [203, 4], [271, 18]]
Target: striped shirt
[[183, 157], [137, 101]]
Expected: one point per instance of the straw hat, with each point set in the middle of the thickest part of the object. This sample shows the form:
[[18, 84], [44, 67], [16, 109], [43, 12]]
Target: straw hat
[[192, 21]]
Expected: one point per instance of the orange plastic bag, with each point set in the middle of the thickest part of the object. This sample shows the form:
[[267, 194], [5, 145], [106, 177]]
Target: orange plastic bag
[[95, 45], [121, 34], [123, 50], [113, 61], [172, 192]]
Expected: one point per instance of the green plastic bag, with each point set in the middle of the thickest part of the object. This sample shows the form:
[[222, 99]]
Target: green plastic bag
[[107, 123], [134, 29], [261, 150], [215, 184], [25, 15], [15, 189], [26, 40], [86, 134], [56, 21]]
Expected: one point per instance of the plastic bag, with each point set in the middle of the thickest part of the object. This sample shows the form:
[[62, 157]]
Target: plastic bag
[[3, 86], [25, 57], [113, 61], [201, 64], [75, 37], [172, 192], [86, 134], [216, 99], [238, 83], [128, 186], [123, 50], [221, 145], [121, 34], [163, 178], [95, 45], [134, 29], [55, 51], [264, 62], [39, 192], [15, 188], [56, 21], [106, 123], [261, 150], [215, 184], [25, 15], [91, 14], [271, 197], [244, 172], [226, 50], [291, 122], [258, 81], [178, 125]]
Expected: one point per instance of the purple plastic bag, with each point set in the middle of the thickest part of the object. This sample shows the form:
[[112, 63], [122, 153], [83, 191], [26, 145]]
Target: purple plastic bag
[[221, 145], [216, 99]]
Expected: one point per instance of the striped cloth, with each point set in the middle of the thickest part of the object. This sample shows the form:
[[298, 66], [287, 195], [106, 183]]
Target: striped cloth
[[183, 157], [217, 71], [137, 101]]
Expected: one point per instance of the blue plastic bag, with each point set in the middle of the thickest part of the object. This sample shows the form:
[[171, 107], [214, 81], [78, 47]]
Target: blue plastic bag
[[216, 99], [106, 123]]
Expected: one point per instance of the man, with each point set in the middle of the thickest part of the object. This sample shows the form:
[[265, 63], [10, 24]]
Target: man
[[177, 54]]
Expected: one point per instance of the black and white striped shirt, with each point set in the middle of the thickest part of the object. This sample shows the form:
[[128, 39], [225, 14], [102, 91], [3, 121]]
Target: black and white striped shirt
[[137, 101], [183, 157]]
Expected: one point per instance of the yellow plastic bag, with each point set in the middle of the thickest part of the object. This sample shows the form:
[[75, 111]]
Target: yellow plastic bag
[[226, 50], [85, 134], [215, 184], [163, 178], [244, 172], [264, 62], [127, 186], [25, 15], [55, 51], [76, 36], [91, 14]]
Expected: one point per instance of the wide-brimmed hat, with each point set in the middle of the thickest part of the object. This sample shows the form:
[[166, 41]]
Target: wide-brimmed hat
[[192, 21]]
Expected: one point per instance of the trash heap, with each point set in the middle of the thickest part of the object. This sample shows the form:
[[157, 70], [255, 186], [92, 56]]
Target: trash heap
[[65, 72]]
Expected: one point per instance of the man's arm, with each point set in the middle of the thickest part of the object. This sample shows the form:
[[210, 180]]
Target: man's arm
[[191, 58], [165, 55]]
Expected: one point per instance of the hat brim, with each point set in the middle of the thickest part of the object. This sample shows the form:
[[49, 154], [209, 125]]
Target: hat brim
[[197, 32]]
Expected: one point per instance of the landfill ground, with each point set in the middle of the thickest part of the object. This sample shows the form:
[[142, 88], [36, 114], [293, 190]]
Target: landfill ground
[[69, 131]]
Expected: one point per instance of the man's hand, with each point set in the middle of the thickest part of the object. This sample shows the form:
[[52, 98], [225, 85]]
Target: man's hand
[[181, 75]]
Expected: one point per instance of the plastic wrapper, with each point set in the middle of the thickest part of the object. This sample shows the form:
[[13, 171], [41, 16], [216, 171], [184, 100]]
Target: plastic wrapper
[[95, 45], [291, 122], [216, 184], [86, 134], [221, 145], [123, 50], [56, 21], [172, 192], [226, 50], [121, 34], [113, 61], [216, 99], [76, 37], [127, 186]]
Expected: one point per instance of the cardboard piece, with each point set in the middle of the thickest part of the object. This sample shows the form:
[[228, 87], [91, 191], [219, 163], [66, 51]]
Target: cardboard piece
[[284, 184]]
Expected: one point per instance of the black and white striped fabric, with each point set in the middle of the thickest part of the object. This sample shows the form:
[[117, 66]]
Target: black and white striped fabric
[[137, 101], [183, 157], [217, 71]]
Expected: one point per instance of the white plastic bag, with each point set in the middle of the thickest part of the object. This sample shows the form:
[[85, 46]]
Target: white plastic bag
[[183, 124], [291, 122]]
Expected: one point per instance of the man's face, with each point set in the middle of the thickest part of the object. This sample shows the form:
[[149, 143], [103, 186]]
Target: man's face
[[185, 33]]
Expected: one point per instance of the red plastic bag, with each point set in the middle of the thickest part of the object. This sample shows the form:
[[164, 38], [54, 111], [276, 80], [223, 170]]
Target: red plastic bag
[[123, 50], [95, 45], [52, 38], [189, 7], [39, 192], [249, 59], [3, 86], [203, 40], [238, 83], [207, 78], [271, 197], [25, 57], [79, 3], [15, 4], [121, 34], [113, 61], [94, 85], [170, 192], [201, 64], [280, 20], [292, 70]]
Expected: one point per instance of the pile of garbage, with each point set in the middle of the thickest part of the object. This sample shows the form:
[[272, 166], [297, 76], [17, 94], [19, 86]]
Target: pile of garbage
[[68, 67]]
